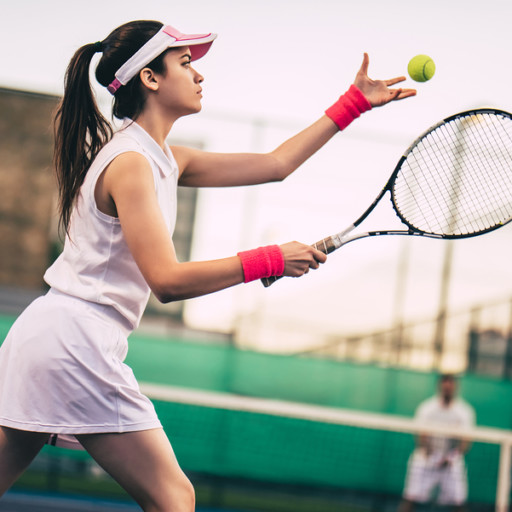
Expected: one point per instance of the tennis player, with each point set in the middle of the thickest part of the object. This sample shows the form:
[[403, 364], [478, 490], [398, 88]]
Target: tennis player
[[62, 377], [437, 463]]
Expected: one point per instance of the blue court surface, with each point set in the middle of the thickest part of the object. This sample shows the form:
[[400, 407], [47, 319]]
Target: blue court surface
[[24, 502], [21, 502]]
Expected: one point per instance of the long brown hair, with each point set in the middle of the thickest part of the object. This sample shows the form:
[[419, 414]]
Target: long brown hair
[[80, 128]]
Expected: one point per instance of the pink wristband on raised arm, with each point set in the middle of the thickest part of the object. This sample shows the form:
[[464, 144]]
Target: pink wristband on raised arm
[[348, 107], [262, 262]]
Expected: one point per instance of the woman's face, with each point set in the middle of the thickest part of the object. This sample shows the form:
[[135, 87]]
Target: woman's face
[[180, 88]]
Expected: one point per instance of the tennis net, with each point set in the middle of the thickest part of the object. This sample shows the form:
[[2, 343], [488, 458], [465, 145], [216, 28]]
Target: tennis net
[[321, 458]]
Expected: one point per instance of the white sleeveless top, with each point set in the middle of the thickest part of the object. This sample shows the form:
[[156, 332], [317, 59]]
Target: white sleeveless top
[[96, 264], [457, 413]]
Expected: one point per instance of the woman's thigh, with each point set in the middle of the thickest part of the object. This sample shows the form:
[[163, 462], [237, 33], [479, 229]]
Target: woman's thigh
[[144, 464], [17, 450]]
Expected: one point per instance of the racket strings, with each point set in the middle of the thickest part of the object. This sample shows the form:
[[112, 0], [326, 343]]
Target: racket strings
[[455, 186], [424, 181], [485, 141], [466, 188], [457, 180], [497, 153], [493, 141], [450, 210]]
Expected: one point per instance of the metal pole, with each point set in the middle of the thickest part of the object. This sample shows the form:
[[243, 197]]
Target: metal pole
[[503, 490], [398, 314], [507, 371], [456, 179], [443, 304]]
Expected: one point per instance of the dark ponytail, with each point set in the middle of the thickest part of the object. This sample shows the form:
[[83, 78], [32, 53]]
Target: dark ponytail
[[80, 131], [80, 128]]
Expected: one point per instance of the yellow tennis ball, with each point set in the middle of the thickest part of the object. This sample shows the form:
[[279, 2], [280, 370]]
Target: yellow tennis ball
[[421, 68]]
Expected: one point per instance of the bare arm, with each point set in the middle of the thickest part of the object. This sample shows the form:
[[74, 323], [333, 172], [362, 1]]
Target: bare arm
[[423, 441], [199, 168], [203, 169], [129, 183], [464, 446]]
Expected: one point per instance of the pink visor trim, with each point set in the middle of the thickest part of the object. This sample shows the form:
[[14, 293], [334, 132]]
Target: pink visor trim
[[179, 36], [198, 44], [166, 37], [199, 50], [112, 88]]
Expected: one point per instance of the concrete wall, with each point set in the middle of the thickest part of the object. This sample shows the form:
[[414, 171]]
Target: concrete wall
[[27, 186]]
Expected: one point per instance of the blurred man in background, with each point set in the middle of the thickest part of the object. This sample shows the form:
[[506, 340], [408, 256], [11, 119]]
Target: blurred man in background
[[437, 464]]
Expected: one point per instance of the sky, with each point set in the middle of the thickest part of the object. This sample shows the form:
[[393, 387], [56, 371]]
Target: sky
[[274, 68]]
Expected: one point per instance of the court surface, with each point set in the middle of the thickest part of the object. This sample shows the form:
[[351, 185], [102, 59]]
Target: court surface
[[21, 502]]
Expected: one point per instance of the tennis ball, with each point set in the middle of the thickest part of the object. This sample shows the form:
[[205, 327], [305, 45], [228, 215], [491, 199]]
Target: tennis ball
[[421, 68]]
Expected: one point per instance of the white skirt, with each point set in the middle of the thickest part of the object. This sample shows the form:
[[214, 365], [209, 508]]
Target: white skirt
[[62, 372]]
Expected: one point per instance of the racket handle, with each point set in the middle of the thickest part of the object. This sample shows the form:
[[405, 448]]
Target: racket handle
[[267, 281], [326, 246]]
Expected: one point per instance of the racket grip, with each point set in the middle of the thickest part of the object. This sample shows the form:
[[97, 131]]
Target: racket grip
[[267, 281], [326, 246]]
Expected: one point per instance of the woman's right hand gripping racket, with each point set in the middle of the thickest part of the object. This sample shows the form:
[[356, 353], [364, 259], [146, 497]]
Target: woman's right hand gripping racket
[[454, 181]]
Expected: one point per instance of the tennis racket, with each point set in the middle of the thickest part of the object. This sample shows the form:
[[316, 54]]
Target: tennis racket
[[454, 181]]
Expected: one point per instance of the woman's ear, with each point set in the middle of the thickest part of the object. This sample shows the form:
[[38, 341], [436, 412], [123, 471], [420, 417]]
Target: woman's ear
[[149, 79]]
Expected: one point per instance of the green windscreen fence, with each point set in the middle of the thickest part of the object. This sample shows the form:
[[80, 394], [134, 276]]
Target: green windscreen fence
[[310, 380], [5, 325]]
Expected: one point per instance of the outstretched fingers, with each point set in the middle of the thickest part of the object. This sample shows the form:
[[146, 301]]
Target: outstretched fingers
[[405, 93], [380, 92], [364, 66], [393, 81], [399, 94]]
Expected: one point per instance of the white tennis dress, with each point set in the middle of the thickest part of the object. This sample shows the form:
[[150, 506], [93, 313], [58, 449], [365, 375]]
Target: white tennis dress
[[61, 365]]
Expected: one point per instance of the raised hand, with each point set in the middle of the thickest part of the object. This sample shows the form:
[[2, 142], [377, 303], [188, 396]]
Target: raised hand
[[378, 92]]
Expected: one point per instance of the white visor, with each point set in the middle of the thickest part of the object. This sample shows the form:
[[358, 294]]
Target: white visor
[[166, 37]]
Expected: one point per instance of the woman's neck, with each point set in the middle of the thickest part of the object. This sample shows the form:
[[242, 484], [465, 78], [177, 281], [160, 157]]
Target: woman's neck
[[157, 127]]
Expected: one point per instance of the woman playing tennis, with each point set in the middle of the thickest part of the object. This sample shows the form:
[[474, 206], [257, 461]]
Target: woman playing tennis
[[62, 377]]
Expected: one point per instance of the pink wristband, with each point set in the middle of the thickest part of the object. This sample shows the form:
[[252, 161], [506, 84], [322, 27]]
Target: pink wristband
[[262, 262], [348, 107]]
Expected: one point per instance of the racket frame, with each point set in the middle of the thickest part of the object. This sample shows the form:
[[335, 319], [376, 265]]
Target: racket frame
[[334, 242]]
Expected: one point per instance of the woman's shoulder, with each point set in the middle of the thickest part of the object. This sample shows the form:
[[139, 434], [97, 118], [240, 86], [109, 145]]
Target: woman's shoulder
[[120, 143], [121, 139], [122, 149]]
